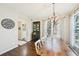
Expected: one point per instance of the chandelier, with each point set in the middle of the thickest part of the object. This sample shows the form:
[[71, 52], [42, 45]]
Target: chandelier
[[53, 19]]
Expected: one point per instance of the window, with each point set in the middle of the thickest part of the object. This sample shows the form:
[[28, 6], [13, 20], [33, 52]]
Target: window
[[76, 26], [74, 42]]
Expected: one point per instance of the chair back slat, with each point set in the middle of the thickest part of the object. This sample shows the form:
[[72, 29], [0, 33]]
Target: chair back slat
[[39, 46]]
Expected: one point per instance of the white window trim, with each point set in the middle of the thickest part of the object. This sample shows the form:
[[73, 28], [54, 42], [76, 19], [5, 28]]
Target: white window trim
[[72, 30]]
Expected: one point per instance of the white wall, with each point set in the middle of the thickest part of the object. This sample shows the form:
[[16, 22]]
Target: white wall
[[65, 28], [8, 37], [44, 28], [28, 29], [72, 30]]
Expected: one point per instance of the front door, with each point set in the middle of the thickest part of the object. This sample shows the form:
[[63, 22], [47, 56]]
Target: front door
[[36, 31]]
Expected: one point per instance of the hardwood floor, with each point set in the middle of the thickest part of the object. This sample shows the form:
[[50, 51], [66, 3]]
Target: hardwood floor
[[26, 50]]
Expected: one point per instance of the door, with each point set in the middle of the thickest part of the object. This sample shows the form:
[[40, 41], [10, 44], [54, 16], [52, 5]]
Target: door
[[36, 31]]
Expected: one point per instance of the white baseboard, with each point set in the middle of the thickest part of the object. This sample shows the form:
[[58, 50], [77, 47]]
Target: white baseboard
[[8, 49]]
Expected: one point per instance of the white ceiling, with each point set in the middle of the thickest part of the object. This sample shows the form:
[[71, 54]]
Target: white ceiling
[[37, 10]]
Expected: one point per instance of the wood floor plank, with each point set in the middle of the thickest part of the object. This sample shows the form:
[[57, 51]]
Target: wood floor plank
[[27, 49]]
